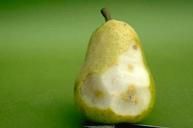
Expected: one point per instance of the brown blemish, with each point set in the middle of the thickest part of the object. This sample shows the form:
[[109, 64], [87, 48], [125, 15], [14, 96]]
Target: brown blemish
[[130, 67], [98, 94], [131, 89], [130, 95], [135, 46], [133, 99]]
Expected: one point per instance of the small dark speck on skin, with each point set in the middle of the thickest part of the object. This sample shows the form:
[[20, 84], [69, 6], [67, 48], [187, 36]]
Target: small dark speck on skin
[[135, 46], [125, 24]]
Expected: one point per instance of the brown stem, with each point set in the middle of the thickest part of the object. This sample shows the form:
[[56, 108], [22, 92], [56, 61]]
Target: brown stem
[[106, 14]]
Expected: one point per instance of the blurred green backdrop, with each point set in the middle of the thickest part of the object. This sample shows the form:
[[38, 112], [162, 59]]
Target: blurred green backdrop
[[43, 43]]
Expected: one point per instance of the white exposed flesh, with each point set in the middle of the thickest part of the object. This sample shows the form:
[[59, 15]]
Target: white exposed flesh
[[124, 87]]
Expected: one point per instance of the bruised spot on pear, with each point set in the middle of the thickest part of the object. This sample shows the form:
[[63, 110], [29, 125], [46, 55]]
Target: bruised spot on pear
[[135, 47], [130, 95], [133, 99], [98, 94], [130, 67], [131, 89]]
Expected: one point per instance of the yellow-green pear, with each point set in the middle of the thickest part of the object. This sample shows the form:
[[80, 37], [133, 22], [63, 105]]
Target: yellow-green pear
[[114, 84]]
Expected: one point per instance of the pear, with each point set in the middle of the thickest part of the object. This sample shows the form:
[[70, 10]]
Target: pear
[[114, 84]]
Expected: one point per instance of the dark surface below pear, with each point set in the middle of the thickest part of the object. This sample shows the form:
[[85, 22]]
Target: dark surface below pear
[[89, 124]]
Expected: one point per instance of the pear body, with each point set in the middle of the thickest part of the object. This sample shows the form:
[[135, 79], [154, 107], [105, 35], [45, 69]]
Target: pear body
[[114, 84]]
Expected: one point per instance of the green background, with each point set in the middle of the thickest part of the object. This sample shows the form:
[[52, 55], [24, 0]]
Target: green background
[[43, 43]]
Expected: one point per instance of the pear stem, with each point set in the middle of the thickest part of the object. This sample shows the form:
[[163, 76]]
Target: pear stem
[[106, 14]]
